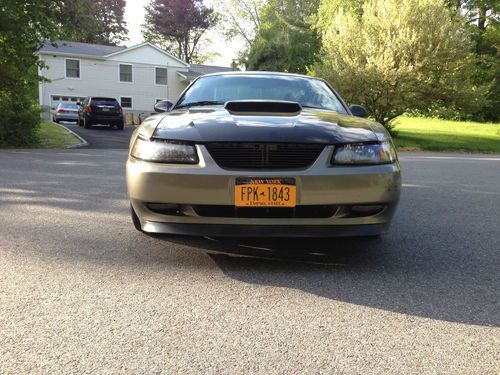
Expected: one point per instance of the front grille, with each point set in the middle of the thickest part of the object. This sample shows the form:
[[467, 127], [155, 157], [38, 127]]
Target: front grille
[[236, 155], [298, 212]]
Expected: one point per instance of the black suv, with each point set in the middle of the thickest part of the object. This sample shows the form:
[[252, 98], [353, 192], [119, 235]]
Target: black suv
[[99, 110]]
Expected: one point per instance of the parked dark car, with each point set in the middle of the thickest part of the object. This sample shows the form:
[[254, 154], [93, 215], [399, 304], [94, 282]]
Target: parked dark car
[[66, 111], [100, 110]]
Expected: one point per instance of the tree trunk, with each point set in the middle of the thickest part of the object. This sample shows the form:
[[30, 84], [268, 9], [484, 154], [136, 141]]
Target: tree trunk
[[481, 10]]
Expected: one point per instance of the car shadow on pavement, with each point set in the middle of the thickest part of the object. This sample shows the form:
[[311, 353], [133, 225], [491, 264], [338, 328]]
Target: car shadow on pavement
[[440, 259], [412, 279]]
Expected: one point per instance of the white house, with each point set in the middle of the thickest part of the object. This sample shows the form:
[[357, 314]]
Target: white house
[[137, 76]]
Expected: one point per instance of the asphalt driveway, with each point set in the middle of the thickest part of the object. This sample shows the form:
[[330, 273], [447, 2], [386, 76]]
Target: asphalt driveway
[[102, 136], [82, 291]]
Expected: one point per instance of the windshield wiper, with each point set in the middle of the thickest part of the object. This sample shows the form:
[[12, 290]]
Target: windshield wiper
[[203, 102]]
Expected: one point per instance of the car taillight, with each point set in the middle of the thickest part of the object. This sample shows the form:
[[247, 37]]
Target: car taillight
[[120, 109], [61, 110], [87, 109]]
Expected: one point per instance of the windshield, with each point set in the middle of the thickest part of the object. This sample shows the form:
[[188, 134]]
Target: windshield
[[219, 89], [68, 105]]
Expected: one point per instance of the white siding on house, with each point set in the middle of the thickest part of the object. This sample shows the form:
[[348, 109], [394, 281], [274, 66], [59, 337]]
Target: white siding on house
[[101, 77], [146, 53]]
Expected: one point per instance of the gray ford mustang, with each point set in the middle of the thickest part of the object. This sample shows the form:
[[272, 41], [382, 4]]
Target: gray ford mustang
[[262, 154]]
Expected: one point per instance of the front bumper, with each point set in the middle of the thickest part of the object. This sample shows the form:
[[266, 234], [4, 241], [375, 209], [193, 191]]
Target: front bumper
[[208, 184]]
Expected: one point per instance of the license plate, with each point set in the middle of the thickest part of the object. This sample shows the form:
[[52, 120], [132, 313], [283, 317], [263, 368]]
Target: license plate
[[265, 192], [105, 109]]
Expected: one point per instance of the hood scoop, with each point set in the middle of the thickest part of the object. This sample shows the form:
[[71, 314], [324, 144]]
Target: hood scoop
[[263, 108]]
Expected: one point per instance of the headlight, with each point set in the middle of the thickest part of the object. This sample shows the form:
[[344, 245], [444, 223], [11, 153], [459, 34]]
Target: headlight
[[364, 154], [161, 151]]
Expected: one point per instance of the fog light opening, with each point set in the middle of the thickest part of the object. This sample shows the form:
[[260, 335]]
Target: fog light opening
[[165, 208], [365, 210]]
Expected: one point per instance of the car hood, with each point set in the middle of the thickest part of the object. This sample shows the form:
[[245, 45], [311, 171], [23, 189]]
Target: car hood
[[216, 124]]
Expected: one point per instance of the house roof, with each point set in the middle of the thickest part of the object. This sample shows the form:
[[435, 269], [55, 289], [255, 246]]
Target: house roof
[[196, 70], [77, 48], [207, 69], [189, 74], [65, 47]]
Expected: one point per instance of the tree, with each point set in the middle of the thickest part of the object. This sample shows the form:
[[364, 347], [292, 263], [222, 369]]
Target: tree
[[178, 26], [92, 21], [479, 12], [241, 19], [400, 55], [285, 39], [24, 25], [483, 17]]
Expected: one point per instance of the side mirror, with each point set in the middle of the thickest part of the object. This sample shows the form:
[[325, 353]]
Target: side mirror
[[163, 106], [78, 103], [358, 111]]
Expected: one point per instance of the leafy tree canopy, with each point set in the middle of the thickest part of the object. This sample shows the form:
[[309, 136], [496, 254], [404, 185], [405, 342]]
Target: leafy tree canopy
[[285, 40], [178, 26], [23, 28], [483, 17], [92, 21], [400, 55], [241, 18]]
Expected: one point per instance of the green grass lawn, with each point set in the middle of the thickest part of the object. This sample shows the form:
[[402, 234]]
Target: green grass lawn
[[54, 136], [414, 133]]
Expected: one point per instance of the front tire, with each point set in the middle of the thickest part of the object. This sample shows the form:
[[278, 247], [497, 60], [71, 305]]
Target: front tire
[[135, 219]]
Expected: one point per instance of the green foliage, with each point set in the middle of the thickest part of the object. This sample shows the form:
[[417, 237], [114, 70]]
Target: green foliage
[[92, 21], [483, 17], [487, 46], [285, 40], [23, 27], [178, 26], [328, 9], [20, 119], [400, 55]]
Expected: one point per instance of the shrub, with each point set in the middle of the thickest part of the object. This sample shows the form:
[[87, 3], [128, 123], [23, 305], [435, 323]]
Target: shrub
[[19, 119], [400, 55]]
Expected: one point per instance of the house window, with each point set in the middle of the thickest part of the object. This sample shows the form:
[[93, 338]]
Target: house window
[[126, 102], [161, 76], [72, 68], [125, 73]]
